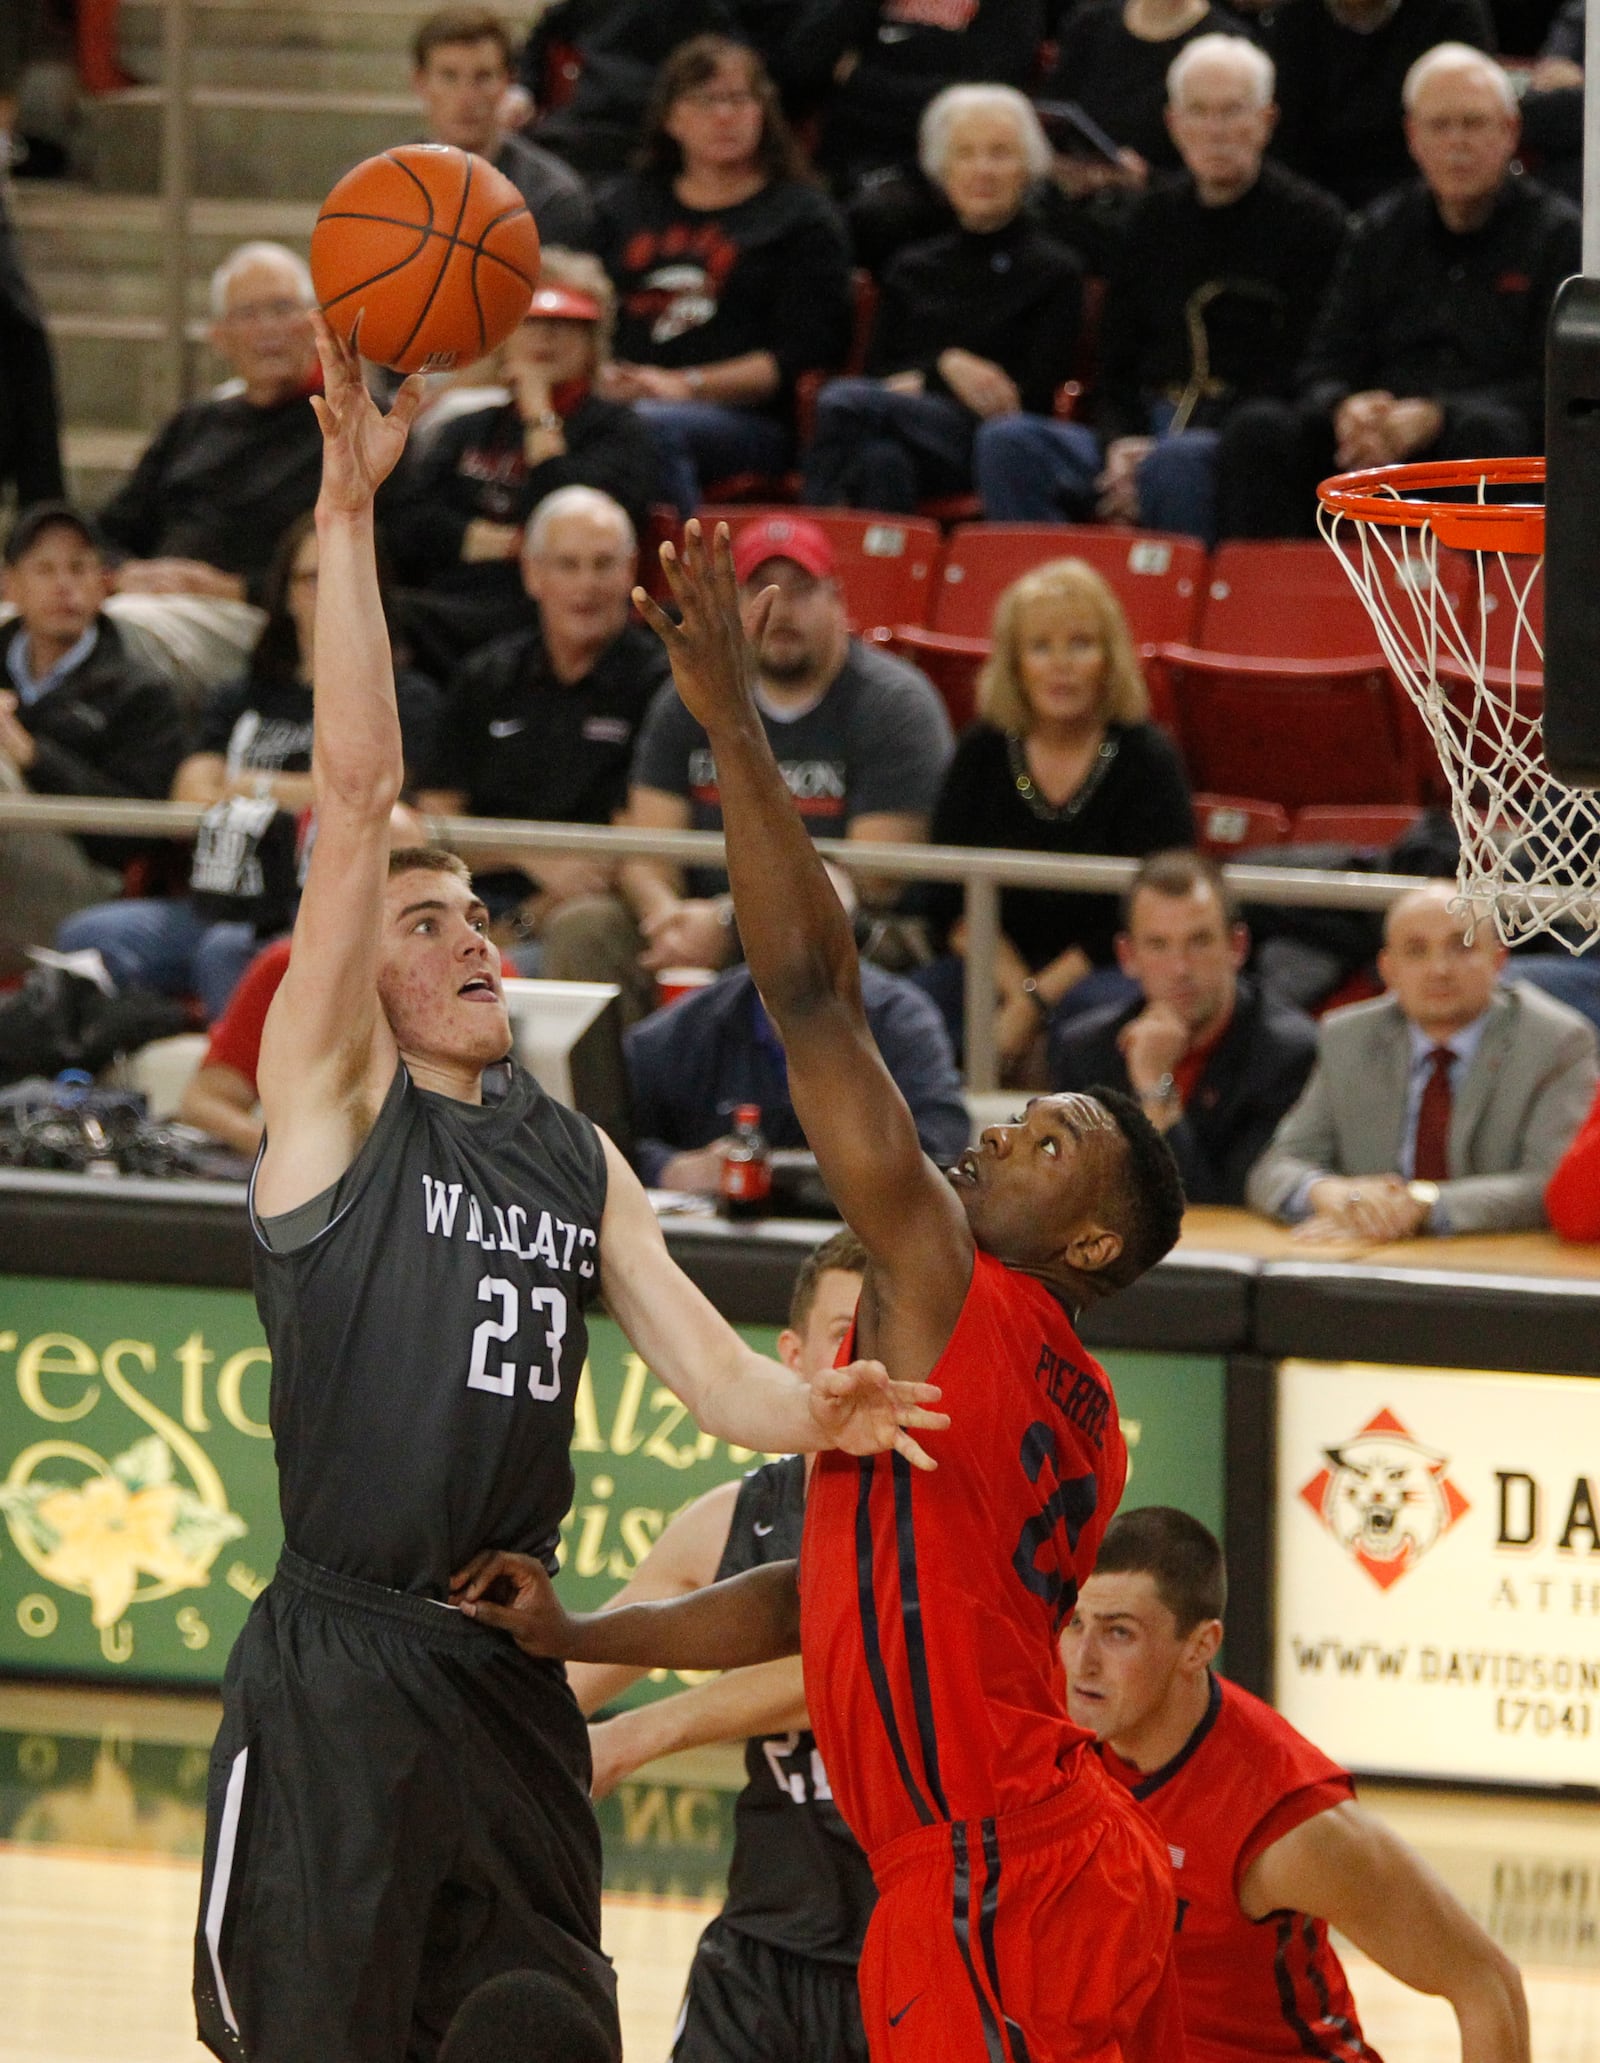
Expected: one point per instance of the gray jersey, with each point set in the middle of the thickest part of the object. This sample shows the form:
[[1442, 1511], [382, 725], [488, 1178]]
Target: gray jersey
[[427, 1344]]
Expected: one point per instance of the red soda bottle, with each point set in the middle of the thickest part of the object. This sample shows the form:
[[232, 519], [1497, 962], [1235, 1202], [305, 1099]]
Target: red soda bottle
[[746, 1166]]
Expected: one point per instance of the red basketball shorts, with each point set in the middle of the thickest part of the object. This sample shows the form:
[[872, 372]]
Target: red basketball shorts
[[1041, 1937]]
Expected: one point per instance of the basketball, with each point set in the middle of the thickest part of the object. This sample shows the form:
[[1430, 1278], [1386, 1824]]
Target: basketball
[[430, 251]]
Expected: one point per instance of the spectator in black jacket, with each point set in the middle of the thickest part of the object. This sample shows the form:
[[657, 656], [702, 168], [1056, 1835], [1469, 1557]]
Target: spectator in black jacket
[[1431, 342], [455, 509], [693, 1063], [1113, 60], [79, 715], [198, 522], [1214, 1060], [889, 59], [731, 267], [1342, 66], [461, 66], [1211, 302], [973, 327], [541, 724], [30, 432]]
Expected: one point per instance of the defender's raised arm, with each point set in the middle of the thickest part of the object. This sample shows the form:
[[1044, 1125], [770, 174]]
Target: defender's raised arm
[[802, 952]]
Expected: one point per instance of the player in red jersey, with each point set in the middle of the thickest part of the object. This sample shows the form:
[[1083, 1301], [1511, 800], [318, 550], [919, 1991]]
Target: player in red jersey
[[1268, 1844], [1024, 1908]]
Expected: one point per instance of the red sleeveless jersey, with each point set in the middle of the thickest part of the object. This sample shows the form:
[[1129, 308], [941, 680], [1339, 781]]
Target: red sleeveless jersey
[[931, 1603], [1252, 1989]]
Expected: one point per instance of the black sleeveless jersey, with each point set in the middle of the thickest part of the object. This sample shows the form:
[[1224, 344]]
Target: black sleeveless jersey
[[427, 1344], [797, 1879]]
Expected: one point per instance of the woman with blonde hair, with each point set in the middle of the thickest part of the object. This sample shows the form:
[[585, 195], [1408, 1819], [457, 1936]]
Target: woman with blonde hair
[[1063, 758]]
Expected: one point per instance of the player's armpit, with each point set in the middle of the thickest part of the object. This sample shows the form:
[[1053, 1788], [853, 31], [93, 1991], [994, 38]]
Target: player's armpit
[[1347, 1868], [750, 1618]]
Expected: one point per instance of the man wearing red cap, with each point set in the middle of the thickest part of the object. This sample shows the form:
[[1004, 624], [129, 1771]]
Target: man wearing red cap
[[455, 510], [861, 739]]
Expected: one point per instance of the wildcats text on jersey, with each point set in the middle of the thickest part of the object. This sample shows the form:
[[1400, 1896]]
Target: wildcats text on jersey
[[551, 1239]]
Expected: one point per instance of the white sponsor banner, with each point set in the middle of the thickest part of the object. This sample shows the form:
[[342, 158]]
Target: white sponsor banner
[[1438, 1570]]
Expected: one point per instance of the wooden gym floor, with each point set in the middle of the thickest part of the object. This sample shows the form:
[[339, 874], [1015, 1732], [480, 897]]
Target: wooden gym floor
[[101, 1812]]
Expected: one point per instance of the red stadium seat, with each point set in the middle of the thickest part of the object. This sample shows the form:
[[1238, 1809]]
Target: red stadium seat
[[1156, 577], [1290, 731], [1228, 824], [1371, 824], [885, 563], [1272, 601], [951, 663]]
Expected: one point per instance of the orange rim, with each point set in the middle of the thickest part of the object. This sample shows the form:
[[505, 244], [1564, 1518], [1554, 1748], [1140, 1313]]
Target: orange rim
[[1398, 496]]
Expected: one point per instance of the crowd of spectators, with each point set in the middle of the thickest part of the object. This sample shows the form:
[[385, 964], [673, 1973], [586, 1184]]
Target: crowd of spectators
[[1150, 261]]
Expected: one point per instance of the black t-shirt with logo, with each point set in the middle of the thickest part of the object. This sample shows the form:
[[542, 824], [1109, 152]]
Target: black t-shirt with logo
[[877, 742], [519, 743], [698, 285], [245, 860], [797, 1878]]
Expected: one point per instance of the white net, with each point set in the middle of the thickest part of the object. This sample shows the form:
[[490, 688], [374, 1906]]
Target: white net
[[1463, 634]]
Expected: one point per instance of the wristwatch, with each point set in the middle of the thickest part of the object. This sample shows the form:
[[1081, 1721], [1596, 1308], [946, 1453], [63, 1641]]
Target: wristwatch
[[547, 420], [1030, 988], [1427, 1194], [1165, 1093]]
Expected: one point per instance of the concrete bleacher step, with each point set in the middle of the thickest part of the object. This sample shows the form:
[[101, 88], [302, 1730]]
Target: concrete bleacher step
[[249, 143], [97, 264], [286, 97], [358, 47]]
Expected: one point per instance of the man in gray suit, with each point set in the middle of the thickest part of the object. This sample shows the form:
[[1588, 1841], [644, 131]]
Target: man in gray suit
[[1440, 1107]]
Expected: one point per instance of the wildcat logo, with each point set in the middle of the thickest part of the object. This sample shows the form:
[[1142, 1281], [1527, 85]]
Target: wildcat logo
[[1385, 1498]]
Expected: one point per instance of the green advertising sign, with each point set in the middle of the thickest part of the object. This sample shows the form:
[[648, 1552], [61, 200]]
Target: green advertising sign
[[140, 1500]]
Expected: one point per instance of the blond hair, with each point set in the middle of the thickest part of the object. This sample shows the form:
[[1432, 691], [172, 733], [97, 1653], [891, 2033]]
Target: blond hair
[[1001, 696]]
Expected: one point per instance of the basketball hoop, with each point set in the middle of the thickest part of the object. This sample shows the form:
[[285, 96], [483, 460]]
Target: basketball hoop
[[1453, 579]]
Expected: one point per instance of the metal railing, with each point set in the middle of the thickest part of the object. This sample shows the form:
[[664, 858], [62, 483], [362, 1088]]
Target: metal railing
[[981, 873]]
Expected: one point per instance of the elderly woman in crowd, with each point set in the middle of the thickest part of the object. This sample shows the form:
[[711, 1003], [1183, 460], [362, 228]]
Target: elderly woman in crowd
[[972, 325], [732, 271], [1062, 759], [455, 509]]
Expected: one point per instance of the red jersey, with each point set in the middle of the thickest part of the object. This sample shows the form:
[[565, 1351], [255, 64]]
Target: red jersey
[[931, 1603], [1251, 1988], [236, 1035]]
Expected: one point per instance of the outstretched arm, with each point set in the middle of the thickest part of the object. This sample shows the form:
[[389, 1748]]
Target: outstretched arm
[[327, 1053], [750, 1618], [1345, 1867], [765, 1698], [803, 956], [732, 1390]]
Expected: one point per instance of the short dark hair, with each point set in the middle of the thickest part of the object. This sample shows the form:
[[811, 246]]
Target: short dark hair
[[1180, 872], [428, 859], [1148, 1207], [692, 64], [462, 25], [843, 1252], [1182, 1556], [43, 516], [527, 2013]]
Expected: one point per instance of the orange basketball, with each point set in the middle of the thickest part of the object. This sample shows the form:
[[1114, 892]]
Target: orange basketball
[[431, 251]]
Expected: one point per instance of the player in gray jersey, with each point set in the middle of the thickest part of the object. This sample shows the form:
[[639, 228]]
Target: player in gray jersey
[[398, 1807], [774, 1975]]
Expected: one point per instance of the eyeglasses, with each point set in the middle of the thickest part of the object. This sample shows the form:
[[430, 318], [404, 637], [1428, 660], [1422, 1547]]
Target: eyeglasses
[[734, 100]]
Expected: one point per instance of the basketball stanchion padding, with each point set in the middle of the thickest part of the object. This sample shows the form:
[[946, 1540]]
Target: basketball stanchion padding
[[1572, 535], [425, 256], [1449, 559]]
